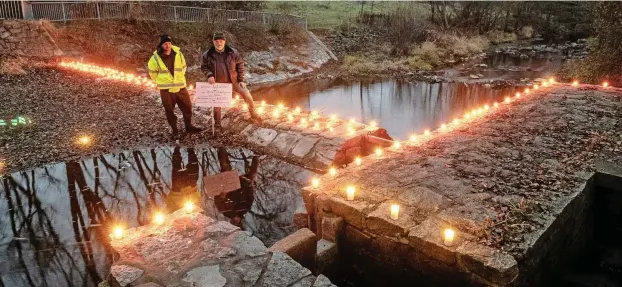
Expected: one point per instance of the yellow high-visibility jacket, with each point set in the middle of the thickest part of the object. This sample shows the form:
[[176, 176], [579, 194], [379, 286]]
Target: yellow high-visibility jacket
[[160, 74]]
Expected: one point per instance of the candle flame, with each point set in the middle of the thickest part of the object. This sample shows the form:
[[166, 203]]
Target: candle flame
[[188, 206], [518, 95], [84, 140], [496, 105], [378, 152], [281, 106], [575, 83], [373, 124], [605, 84], [443, 126], [426, 132], [290, 117], [507, 100], [413, 138], [158, 218], [535, 87], [449, 234], [333, 117], [117, 232], [297, 110], [263, 103], [332, 171], [397, 145], [315, 182], [358, 160]]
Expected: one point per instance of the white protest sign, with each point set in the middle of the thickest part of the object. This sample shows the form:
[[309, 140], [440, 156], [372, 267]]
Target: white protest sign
[[213, 95]]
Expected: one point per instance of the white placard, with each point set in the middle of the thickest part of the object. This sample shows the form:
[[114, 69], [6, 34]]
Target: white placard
[[213, 95]]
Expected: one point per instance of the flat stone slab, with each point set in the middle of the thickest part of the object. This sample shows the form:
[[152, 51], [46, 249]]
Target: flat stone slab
[[498, 180], [193, 249]]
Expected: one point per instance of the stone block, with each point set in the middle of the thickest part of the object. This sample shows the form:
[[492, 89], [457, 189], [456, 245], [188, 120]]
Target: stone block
[[301, 216], [300, 245], [282, 271], [332, 227], [471, 218], [493, 265], [423, 199], [380, 222], [327, 254], [262, 137], [322, 281], [304, 146], [353, 212], [427, 238], [205, 276], [356, 239], [125, 274], [284, 142], [5, 35]]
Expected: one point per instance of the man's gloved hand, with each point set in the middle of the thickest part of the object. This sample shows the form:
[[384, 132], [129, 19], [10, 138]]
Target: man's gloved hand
[[211, 80]]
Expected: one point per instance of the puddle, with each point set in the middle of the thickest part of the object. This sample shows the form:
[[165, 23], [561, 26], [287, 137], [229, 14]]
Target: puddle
[[55, 219]]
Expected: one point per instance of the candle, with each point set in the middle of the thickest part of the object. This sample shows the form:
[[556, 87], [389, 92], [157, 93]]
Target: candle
[[426, 132], [397, 145], [263, 103], [443, 126], [188, 207], [158, 218], [518, 95], [507, 100], [84, 140], [290, 118], [117, 232], [315, 182], [245, 106], [395, 211], [378, 152], [413, 138], [350, 190], [527, 91], [333, 117], [297, 110], [358, 161], [281, 106], [373, 124], [275, 113], [332, 171], [449, 237], [575, 83], [552, 80], [496, 105], [605, 84]]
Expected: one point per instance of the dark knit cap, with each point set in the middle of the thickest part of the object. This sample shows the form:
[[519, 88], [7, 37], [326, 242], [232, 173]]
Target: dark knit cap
[[164, 39], [219, 36]]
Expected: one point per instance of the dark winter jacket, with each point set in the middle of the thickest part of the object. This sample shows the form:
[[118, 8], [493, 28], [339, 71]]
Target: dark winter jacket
[[234, 62]]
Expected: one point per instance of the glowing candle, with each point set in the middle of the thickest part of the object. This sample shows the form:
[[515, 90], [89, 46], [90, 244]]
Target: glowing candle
[[331, 129], [303, 122], [517, 95], [316, 125], [496, 105], [263, 103], [449, 237], [527, 91], [552, 80], [545, 84], [507, 100], [260, 110], [315, 182], [275, 113], [605, 84], [245, 106], [397, 145], [443, 126], [455, 122], [535, 87], [290, 118], [281, 106], [351, 120], [426, 132], [373, 124], [188, 206], [486, 107], [84, 140], [350, 190], [413, 138], [575, 83], [467, 116], [297, 111], [333, 117], [358, 160], [117, 232], [314, 114], [332, 171], [351, 131], [378, 152], [158, 218], [395, 211]]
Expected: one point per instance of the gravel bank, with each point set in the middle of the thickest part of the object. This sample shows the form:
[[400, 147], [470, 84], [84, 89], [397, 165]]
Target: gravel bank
[[64, 105]]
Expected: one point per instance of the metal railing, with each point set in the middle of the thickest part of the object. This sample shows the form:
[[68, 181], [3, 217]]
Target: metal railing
[[11, 9], [71, 10]]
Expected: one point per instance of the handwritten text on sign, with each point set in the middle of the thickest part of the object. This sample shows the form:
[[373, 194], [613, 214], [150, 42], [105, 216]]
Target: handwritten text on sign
[[216, 95]]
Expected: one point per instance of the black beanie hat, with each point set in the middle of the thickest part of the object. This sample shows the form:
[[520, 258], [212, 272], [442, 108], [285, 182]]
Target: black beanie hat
[[163, 39], [219, 36]]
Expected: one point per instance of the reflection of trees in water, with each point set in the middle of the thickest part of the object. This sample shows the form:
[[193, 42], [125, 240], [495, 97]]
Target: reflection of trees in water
[[54, 219]]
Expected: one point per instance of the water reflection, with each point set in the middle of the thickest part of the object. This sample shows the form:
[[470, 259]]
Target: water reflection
[[400, 107], [54, 220]]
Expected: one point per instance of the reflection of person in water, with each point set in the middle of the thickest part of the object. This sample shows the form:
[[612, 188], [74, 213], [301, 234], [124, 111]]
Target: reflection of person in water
[[236, 203], [184, 180]]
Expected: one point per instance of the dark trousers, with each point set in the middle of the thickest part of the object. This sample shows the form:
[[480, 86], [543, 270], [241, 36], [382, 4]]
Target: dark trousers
[[245, 94], [182, 99]]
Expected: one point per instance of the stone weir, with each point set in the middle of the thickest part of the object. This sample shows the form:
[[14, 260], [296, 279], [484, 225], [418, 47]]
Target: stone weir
[[305, 138], [497, 200], [191, 249]]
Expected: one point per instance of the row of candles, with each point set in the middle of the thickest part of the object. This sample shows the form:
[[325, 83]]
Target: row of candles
[[118, 231], [304, 122]]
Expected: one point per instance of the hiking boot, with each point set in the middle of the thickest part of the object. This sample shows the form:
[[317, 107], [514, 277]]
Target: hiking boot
[[193, 129]]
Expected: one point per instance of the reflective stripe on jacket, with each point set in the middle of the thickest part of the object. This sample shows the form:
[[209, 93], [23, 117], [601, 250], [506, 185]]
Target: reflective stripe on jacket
[[162, 77]]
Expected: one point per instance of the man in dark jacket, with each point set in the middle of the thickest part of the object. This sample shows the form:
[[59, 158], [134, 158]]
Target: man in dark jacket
[[223, 64]]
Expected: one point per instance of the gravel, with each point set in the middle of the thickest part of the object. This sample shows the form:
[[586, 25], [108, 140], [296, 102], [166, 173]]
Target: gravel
[[64, 105]]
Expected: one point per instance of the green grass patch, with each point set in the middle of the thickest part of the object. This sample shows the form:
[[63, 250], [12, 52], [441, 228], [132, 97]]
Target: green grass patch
[[329, 14]]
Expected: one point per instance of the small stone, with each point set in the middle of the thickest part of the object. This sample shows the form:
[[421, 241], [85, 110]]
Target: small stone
[[304, 146], [125, 274], [282, 271], [205, 276]]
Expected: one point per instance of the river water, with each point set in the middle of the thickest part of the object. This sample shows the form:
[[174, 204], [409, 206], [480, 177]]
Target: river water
[[55, 219]]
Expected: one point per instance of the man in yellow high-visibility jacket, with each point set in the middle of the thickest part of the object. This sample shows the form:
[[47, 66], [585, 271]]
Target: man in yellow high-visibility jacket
[[167, 67]]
